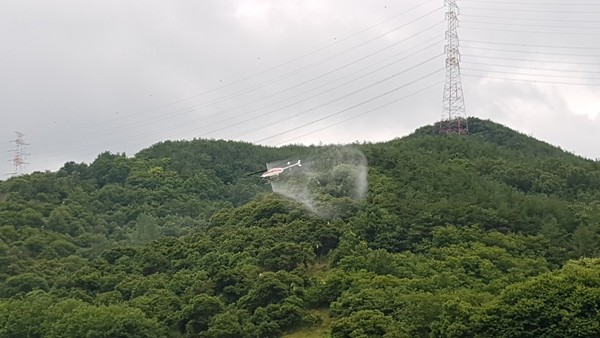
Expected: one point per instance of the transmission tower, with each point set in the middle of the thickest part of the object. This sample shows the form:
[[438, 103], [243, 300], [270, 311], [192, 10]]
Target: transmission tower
[[454, 115], [19, 158]]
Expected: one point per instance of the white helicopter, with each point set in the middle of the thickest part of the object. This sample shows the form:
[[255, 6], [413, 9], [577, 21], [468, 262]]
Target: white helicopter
[[272, 174]]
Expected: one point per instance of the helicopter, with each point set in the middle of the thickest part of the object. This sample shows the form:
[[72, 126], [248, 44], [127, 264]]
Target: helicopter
[[272, 174]]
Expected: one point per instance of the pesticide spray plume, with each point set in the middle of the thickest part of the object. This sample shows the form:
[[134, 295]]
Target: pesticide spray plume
[[327, 178]]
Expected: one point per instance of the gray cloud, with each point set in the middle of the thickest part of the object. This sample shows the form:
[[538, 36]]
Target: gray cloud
[[80, 78]]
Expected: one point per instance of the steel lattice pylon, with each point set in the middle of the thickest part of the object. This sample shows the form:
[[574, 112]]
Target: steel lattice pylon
[[454, 115], [19, 159]]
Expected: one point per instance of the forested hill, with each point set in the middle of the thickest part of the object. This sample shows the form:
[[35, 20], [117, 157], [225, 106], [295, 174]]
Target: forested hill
[[494, 234]]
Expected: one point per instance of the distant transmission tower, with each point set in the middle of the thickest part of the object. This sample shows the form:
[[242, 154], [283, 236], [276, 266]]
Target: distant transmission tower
[[19, 158], [454, 115]]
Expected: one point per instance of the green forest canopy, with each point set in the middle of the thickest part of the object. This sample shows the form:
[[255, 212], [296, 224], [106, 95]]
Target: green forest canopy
[[494, 234]]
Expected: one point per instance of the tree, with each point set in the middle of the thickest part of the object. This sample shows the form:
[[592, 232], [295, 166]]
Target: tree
[[24, 283], [61, 220], [110, 168], [455, 238], [363, 324], [586, 241], [276, 318], [23, 318], [195, 316], [113, 321], [272, 288], [285, 256], [563, 303], [162, 304], [232, 324], [146, 229]]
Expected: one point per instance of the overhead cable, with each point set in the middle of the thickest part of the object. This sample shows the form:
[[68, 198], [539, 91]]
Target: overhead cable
[[252, 118], [531, 74], [529, 3], [362, 114], [246, 113], [530, 10], [529, 32], [331, 101], [532, 81], [530, 60], [527, 25], [529, 45], [166, 116], [531, 68], [350, 108], [145, 111], [530, 52], [527, 19], [344, 96]]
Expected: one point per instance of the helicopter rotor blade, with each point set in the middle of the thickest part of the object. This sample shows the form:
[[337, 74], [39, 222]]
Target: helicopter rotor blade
[[256, 173], [282, 163]]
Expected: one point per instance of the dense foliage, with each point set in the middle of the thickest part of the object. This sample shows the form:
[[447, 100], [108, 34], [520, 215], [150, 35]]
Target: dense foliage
[[490, 235]]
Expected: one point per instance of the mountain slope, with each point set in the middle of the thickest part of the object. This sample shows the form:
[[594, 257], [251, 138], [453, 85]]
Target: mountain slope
[[178, 241]]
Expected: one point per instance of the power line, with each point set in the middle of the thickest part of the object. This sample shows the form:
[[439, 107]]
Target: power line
[[527, 19], [530, 60], [529, 45], [362, 114], [527, 25], [532, 74], [530, 10], [330, 115], [353, 80], [341, 97], [253, 118], [534, 68], [350, 49], [324, 85], [276, 66], [530, 52], [297, 85], [278, 78], [532, 81], [528, 3], [531, 32], [350, 108], [331, 101], [266, 83]]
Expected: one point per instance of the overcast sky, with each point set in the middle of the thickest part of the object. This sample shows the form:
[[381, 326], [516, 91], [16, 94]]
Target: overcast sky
[[81, 77]]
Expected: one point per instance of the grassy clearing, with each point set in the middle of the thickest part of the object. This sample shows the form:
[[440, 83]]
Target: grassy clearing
[[320, 331]]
